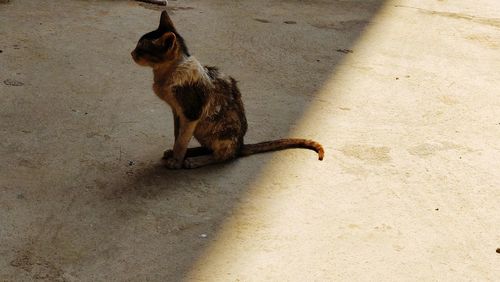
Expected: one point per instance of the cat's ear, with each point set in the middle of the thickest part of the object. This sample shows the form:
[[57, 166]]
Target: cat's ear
[[166, 41], [165, 22]]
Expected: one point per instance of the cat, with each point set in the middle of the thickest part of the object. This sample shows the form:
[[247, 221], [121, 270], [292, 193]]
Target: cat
[[205, 103]]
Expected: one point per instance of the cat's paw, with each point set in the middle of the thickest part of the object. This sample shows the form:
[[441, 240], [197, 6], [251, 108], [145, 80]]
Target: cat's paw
[[190, 163], [168, 154], [173, 163]]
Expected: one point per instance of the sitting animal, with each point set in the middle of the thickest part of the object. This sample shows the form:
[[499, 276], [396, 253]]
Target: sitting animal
[[205, 103]]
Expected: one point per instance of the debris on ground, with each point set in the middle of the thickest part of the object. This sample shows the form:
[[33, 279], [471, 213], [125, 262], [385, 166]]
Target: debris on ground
[[345, 51], [12, 82], [262, 20], [156, 2]]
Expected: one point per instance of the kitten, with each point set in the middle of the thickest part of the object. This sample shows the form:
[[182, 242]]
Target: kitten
[[205, 103]]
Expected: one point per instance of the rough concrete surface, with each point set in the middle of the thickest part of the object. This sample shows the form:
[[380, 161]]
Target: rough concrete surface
[[404, 96]]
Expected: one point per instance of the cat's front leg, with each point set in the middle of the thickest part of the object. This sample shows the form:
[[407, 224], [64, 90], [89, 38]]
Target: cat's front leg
[[176, 124], [170, 153], [186, 130]]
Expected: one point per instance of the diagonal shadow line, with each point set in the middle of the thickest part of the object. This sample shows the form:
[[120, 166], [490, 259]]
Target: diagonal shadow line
[[220, 203], [147, 225]]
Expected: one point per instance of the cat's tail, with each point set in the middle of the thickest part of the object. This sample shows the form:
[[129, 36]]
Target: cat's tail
[[282, 144]]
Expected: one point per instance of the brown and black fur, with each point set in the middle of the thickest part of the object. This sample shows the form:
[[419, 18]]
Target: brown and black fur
[[205, 103]]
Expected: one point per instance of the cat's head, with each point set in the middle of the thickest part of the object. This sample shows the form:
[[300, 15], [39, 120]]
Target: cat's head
[[160, 46]]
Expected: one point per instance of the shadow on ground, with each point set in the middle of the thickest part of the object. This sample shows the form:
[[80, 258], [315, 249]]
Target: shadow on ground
[[83, 194]]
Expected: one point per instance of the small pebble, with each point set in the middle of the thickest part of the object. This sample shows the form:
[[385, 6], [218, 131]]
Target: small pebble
[[436, 209], [203, 235], [498, 250], [131, 163]]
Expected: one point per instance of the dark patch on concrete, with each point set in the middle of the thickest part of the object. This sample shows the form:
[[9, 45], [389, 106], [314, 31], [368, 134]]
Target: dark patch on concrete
[[495, 22], [342, 25], [485, 40], [290, 22], [23, 261], [92, 134], [29, 164], [176, 8], [170, 9], [345, 51], [370, 154], [262, 20], [39, 268], [12, 82], [430, 149], [155, 2]]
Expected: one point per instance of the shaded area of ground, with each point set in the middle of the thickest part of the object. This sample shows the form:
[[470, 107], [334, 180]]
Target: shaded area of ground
[[84, 195]]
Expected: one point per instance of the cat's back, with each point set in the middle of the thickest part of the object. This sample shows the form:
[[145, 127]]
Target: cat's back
[[224, 116], [223, 84]]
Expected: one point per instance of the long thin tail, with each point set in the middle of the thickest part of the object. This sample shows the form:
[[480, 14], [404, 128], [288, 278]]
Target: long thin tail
[[282, 144]]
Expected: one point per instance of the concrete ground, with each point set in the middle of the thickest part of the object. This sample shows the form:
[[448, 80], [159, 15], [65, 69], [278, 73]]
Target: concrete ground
[[404, 96]]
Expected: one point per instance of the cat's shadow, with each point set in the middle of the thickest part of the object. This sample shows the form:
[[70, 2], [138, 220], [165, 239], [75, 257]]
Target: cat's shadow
[[175, 205], [151, 180]]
